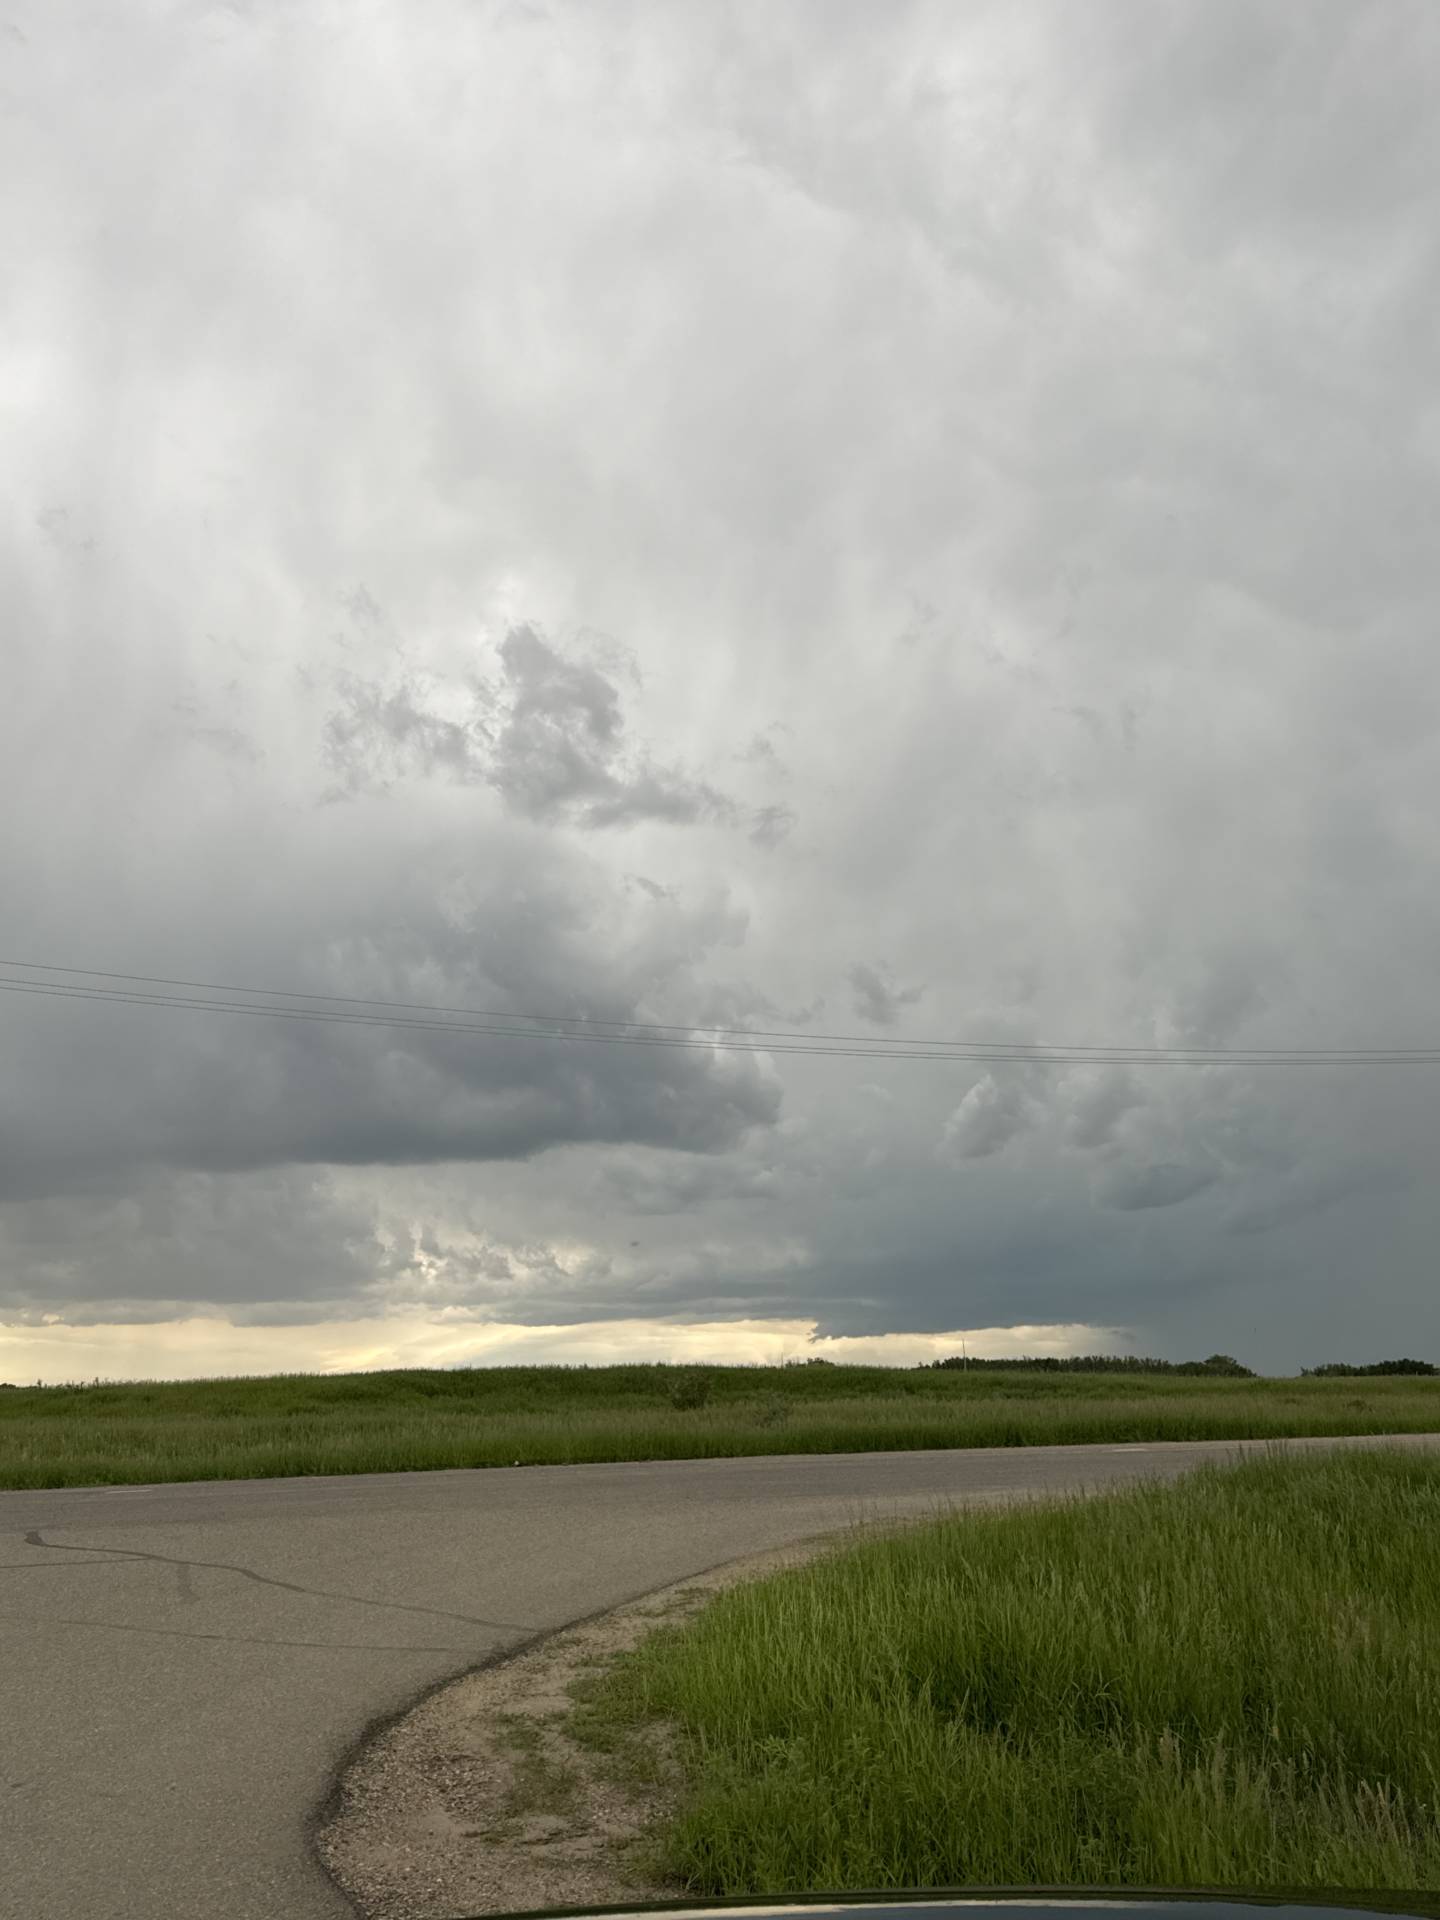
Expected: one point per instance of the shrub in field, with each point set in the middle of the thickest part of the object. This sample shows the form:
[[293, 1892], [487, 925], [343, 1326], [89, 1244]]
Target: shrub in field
[[691, 1390]]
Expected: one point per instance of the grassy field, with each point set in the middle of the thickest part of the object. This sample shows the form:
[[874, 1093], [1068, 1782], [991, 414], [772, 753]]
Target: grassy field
[[482, 1417], [1230, 1682]]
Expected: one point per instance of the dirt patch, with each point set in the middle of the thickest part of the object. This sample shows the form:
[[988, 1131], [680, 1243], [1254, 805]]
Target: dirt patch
[[479, 1801]]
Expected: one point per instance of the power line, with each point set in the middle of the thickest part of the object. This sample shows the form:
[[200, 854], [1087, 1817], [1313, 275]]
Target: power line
[[867, 1041], [421, 1006], [485, 1023], [693, 1043]]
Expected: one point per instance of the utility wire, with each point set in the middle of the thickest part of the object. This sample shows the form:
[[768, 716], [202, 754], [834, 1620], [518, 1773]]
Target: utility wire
[[867, 1041], [709, 1040]]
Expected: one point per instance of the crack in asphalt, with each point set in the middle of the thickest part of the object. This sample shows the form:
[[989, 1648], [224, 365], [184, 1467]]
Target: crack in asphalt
[[230, 1639], [34, 1538], [49, 1566]]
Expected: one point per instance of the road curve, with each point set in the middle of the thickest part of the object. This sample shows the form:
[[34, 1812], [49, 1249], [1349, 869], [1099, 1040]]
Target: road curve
[[183, 1668]]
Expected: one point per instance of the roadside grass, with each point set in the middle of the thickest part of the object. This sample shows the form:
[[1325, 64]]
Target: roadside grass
[[489, 1417], [1230, 1681]]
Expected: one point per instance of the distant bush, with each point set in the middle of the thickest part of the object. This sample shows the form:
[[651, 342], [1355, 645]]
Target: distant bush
[[1343, 1370], [814, 1360], [691, 1390], [1218, 1363]]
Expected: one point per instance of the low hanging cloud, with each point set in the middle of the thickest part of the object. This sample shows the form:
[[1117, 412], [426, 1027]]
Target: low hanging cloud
[[228, 1092]]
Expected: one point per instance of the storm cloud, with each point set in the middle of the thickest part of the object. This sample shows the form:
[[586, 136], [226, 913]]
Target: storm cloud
[[876, 1000], [686, 521], [548, 737]]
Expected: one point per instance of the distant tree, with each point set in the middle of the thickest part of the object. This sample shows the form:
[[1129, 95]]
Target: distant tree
[[1218, 1363], [1346, 1370]]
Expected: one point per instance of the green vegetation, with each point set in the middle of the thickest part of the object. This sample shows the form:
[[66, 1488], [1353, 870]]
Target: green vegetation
[[1234, 1681], [486, 1417], [1342, 1370], [1218, 1363]]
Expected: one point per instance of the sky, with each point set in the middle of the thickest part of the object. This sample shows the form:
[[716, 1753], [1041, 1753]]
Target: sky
[[914, 522]]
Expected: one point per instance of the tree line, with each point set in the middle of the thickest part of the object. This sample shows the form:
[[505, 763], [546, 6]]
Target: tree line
[[1342, 1369], [1221, 1363], [1218, 1363]]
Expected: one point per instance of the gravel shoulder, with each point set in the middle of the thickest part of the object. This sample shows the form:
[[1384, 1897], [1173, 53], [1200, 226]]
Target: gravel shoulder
[[479, 1801]]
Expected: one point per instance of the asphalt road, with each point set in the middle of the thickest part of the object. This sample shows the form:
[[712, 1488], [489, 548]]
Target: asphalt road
[[184, 1668]]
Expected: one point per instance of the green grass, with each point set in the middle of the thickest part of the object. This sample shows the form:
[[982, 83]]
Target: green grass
[[1233, 1681], [484, 1417]]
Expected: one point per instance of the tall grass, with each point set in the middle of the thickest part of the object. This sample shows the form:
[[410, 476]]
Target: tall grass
[[1231, 1681], [381, 1422]]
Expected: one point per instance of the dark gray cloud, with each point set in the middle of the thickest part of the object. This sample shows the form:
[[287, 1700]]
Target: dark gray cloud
[[667, 1184], [1165, 1183], [876, 999], [1002, 442], [547, 734], [770, 824], [130, 1247], [89, 1089], [1312, 1189], [1098, 1103]]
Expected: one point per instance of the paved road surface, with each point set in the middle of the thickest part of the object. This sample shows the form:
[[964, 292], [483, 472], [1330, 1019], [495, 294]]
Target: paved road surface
[[182, 1668]]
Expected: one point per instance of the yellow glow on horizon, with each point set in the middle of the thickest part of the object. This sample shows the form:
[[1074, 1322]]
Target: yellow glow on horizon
[[212, 1347]]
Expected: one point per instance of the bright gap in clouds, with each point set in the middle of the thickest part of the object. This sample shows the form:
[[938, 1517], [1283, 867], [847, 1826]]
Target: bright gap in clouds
[[209, 1349]]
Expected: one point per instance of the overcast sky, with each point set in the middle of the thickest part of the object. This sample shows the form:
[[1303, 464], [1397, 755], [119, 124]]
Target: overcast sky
[[912, 520]]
